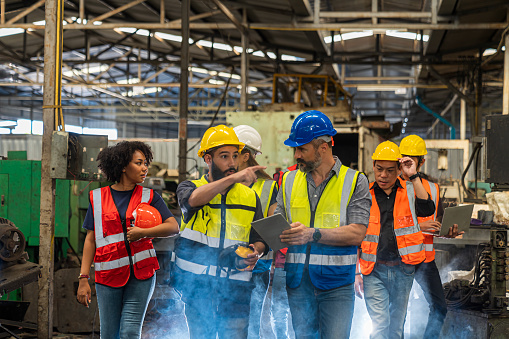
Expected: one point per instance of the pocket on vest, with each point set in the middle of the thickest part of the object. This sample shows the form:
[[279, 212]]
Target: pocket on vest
[[330, 220], [107, 253], [239, 232]]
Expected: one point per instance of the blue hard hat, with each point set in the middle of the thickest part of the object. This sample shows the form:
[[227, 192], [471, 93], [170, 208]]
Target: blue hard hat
[[308, 126]]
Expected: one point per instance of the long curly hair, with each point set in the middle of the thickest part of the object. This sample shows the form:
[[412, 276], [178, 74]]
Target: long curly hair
[[112, 160]]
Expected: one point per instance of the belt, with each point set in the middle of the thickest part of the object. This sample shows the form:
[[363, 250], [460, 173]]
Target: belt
[[389, 262]]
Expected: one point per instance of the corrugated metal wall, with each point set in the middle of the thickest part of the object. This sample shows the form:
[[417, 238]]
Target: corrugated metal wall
[[165, 150]]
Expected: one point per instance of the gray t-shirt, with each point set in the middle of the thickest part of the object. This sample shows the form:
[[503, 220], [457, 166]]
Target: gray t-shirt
[[358, 209]]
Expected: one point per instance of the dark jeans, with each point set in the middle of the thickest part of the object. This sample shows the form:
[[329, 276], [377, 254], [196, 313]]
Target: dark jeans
[[261, 285], [321, 314], [428, 277]]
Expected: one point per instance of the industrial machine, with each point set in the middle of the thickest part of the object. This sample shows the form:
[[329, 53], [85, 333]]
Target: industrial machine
[[478, 307]]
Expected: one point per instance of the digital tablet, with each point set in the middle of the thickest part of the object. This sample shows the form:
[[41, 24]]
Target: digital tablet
[[460, 215], [270, 229]]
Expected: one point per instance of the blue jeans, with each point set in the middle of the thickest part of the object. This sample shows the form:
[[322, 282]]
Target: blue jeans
[[261, 285], [428, 277], [321, 314], [386, 291], [279, 307], [122, 309]]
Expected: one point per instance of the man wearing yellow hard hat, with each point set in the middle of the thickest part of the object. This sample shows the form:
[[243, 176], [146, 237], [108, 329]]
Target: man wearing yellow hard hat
[[426, 273], [217, 247], [393, 244]]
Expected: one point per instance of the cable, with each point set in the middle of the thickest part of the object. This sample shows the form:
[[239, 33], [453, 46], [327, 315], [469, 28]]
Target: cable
[[72, 249], [476, 149]]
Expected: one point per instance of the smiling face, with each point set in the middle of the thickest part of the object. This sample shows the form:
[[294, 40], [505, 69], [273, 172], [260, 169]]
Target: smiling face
[[136, 171], [386, 173], [223, 162]]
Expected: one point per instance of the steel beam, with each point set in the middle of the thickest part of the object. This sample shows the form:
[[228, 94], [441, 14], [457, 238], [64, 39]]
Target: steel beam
[[184, 90], [116, 11], [26, 12]]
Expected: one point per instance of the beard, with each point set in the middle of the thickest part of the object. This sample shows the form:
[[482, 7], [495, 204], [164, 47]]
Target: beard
[[309, 166], [217, 174]]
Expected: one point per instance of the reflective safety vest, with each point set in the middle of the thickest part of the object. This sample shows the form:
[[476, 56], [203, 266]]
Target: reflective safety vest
[[406, 229], [114, 254], [264, 189], [433, 190], [329, 266], [224, 221], [279, 175]]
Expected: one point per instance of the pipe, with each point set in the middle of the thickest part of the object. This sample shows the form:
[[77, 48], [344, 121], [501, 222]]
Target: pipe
[[452, 129]]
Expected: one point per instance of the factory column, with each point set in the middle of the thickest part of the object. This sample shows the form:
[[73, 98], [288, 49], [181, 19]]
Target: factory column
[[183, 98], [52, 109]]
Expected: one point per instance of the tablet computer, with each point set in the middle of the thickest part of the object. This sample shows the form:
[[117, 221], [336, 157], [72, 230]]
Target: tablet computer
[[270, 229], [460, 215]]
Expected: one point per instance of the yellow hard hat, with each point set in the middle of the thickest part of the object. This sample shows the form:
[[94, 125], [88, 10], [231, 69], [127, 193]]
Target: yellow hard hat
[[217, 136], [413, 145], [387, 150]]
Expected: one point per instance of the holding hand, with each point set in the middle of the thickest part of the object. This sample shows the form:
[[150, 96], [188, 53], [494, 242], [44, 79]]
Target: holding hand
[[299, 234], [453, 232], [430, 226], [252, 258], [135, 233]]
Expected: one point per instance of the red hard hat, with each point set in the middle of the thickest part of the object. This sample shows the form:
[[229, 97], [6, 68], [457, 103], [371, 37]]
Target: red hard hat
[[146, 216]]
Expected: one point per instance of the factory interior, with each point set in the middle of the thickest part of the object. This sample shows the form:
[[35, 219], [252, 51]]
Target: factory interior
[[78, 77]]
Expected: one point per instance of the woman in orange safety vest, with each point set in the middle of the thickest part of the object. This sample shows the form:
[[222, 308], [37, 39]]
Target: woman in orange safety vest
[[124, 257]]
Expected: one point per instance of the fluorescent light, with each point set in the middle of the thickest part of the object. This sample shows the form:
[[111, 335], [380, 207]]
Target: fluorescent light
[[8, 123], [407, 35], [10, 31], [216, 82], [130, 81], [348, 36]]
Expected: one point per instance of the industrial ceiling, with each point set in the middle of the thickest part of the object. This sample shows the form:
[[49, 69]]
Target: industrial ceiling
[[122, 59]]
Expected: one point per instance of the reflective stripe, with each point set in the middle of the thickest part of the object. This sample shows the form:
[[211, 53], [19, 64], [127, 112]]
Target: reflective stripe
[[98, 211], [318, 259], [145, 195], [411, 249], [111, 265], [150, 253], [211, 270], [428, 247], [213, 242], [196, 236], [295, 258], [265, 195], [345, 195], [110, 239], [371, 238], [411, 201], [368, 257], [289, 179], [407, 230], [268, 256]]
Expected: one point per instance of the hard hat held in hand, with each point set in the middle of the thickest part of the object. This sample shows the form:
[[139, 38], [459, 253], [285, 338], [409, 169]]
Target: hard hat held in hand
[[308, 126], [387, 150], [413, 145], [250, 137], [218, 136], [146, 216]]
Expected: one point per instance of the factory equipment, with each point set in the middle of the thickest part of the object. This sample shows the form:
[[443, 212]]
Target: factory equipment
[[478, 307]]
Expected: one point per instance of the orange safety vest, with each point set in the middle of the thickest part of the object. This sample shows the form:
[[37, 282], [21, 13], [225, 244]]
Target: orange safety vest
[[406, 228], [433, 190], [112, 258]]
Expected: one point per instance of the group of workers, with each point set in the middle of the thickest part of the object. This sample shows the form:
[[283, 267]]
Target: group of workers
[[347, 237]]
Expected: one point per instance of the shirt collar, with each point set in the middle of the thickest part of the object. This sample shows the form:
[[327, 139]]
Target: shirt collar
[[334, 171]]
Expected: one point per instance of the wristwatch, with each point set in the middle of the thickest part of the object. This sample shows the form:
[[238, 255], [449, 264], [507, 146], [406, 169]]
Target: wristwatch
[[412, 177], [317, 235]]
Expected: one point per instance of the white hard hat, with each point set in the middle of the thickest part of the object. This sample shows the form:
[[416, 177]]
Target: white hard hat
[[250, 137]]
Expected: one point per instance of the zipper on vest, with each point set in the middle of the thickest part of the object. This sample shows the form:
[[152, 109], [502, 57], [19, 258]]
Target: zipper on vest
[[127, 246], [222, 235]]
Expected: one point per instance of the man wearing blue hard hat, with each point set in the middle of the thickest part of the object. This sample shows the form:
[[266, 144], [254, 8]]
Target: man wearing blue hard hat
[[327, 205]]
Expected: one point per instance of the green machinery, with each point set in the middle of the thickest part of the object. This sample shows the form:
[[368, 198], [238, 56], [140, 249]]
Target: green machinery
[[20, 187]]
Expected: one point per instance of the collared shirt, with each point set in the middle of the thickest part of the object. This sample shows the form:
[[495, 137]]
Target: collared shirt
[[387, 246], [357, 211]]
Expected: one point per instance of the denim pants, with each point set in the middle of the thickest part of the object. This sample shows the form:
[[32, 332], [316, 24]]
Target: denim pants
[[321, 313], [261, 285], [428, 277], [122, 309], [279, 307], [386, 291]]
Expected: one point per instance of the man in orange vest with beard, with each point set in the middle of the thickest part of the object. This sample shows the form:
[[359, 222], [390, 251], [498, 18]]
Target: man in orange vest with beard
[[393, 244]]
